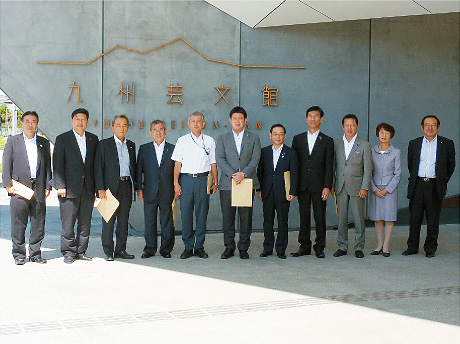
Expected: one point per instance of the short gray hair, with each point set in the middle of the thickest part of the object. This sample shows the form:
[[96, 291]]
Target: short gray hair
[[196, 113], [157, 121], [119, 116]]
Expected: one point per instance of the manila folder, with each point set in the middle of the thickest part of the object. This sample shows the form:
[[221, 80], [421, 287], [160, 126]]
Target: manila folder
[[242, 193], [23, 190], [287, 182], [108, 206]]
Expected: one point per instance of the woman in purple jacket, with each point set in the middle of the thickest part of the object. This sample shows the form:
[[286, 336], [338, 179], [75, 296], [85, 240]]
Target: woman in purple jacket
[[383, 200]]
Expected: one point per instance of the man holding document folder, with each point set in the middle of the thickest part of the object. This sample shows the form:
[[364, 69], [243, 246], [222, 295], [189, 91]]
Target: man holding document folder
[[237, 155], [276, 193], [26, 160], [115, 170]]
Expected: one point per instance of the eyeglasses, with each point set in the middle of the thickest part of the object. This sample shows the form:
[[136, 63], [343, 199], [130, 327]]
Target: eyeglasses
[[434, 126], [158, 130]]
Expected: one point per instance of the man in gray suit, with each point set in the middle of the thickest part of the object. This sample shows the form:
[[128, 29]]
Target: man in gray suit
[[353, 173], [237, 155], [26, 159]]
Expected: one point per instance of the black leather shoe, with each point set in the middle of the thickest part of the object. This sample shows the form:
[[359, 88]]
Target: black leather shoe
[[430, 254], [301, 252], [376, 253], [265, 254], [386, 254], [38, 260], [19, 261], [69, 259], [228, 253], [340, 253], [146, 255], [123, 255], [244, 255], [166, 255], [186, 254], [320, 254], [201, 253], [281, 255], [408, 252], [83, 256], [109, 258], [359, 254]]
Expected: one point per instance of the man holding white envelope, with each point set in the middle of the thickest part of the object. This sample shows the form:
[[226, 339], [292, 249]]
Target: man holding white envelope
[[26, 160]]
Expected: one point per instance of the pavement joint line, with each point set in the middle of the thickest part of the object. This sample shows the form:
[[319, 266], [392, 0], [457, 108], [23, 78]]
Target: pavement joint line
[[66, 324], [390, 295], [13, 329]]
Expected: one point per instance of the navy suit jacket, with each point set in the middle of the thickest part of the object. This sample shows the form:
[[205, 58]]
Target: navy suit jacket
[[445, 164], [156, 182], [270, 178], [107, 166], [16, 165], [70, 171]]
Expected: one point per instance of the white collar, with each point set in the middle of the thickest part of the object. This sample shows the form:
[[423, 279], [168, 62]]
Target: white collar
[[77, 135], [33, 139], [280, 148], [428, 141], [117, 140]]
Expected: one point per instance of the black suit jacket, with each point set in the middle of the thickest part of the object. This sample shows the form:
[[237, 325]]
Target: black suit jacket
[[107, 166], [274, 179], [445, 164], [69, 170], [316, 171], [156, 182], [16, 165]]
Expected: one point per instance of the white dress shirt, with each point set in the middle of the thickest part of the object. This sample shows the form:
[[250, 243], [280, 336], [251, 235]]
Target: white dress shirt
[[427, 166], [348, 145], [32, 154], [312, 139], [196, 154], [238, 140], [276, 155], [81, 141], [123, 157], [159, 150]]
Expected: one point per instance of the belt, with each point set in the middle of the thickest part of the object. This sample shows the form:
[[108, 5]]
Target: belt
[[428, 180], [125, 179], [32, 181], [195, 175]]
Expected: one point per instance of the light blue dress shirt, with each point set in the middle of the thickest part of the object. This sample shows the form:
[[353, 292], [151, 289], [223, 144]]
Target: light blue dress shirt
[[427, 167], [123, 157]]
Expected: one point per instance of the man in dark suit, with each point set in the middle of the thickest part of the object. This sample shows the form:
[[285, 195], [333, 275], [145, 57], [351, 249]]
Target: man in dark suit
[[237, 155], [431, 163], [26, 159], [115, 169], [73, 163], [315, 152], [155, 181], [275, 160]]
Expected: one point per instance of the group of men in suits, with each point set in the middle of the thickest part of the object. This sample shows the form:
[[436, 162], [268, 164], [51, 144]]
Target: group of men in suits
[[318, 165]]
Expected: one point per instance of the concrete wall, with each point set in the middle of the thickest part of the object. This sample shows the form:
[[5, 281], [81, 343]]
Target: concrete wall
[[393, 70]]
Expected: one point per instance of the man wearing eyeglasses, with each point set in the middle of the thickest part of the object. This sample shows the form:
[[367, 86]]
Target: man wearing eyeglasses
[[155, 181], [194, 157], [431, 162]]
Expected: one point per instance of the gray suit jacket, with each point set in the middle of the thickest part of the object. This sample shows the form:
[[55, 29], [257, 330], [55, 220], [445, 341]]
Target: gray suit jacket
[[229, 161], [16, 165], [355, 173]]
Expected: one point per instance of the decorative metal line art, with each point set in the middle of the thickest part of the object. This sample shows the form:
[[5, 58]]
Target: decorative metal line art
[[161, 46]]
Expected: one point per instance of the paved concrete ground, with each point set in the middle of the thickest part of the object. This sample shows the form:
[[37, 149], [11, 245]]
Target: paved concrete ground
[[262, 300]]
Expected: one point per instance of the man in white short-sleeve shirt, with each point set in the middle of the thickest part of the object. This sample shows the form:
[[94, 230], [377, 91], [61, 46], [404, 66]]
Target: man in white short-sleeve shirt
[[194, 156]]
